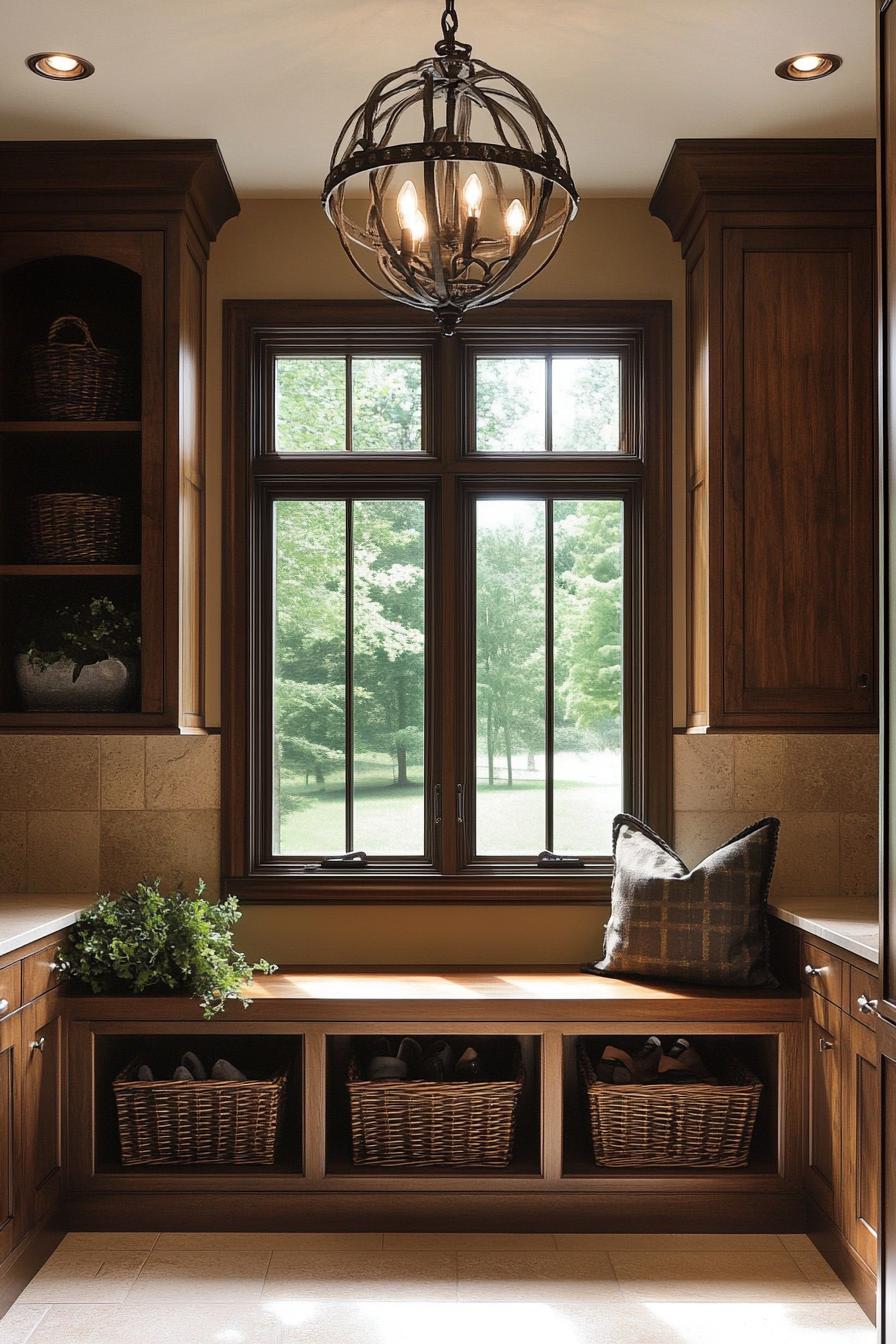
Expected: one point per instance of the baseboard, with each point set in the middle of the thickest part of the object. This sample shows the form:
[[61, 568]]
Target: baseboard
[[446, 1212], [21, 1265], [841, 1257]]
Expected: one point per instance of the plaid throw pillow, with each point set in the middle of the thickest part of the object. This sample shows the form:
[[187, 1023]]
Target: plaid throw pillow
[[704, 926]]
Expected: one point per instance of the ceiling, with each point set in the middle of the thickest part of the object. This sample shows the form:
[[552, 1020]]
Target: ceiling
[[273, 80]]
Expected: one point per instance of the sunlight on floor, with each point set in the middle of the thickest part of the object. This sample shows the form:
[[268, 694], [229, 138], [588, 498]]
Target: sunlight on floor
[[434, 1288]]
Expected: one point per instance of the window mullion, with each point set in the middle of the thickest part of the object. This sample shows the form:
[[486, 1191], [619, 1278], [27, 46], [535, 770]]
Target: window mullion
[[549, 404], [349, 676]]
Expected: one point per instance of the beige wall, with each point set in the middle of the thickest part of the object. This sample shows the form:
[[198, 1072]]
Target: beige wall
[[85, 813]]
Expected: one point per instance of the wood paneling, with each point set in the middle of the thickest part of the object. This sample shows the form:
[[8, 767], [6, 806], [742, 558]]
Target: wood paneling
[[780, 428], [42, 1105], [859, 1203], [10, 1138], [824, 1049]]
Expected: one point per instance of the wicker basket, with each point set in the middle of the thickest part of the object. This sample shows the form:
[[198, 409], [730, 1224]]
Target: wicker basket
[[422, 1124], [73, 380], [67, 528], [197, 1123], [672, 1124]]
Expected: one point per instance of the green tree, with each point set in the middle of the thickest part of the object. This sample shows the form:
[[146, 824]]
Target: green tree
[[588, 606]]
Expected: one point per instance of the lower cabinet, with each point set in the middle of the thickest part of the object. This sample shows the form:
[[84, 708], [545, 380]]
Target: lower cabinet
[[843, 1099], [861, 1142], [823, 1081], [41, 1106], [11, 1219]]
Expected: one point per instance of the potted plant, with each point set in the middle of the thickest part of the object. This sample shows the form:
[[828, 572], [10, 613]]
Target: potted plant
[[83, 657], [146, 941]]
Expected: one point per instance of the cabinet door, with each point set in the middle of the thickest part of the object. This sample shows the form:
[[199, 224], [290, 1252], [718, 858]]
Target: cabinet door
[[823, 1083], [42, 1092], [10, 1164], [798, 467], [861, 1141]]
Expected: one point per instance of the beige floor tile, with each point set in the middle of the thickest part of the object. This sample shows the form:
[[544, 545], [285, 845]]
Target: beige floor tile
[[812, 1264], [222, 1275], [269, 1241], [530, 1276], [161, 1325], [108, 1241], [520, 1322], [363, 1276], [100, 1276], [748, 1276], [468, 1241], [20, 1322], [666, 1241], [762, 1323]]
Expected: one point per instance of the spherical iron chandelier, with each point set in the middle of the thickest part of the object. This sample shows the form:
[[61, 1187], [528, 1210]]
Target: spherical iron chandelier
[[468, 189]]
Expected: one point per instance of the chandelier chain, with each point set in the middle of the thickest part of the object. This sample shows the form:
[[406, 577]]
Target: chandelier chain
[[449, 46]]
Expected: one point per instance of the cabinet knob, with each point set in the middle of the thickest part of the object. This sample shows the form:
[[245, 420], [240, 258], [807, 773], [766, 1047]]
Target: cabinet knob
[[4, 1004], [39, 1043], [866, 1005], [863, 681], [811, 970], [824, 1044]]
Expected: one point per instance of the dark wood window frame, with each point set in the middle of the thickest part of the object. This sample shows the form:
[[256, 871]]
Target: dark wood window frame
[[449, 478]]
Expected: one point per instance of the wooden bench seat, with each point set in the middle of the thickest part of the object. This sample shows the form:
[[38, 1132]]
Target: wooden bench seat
[[475, 995]]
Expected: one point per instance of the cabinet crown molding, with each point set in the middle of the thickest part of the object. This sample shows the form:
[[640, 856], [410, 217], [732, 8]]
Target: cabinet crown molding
[[82, 176], [747, 175]]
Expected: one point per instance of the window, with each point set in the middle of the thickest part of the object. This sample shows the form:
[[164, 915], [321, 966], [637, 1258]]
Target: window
[[446, 599]]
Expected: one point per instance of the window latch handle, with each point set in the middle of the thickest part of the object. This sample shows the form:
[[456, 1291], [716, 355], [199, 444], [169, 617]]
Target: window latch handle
[[548, 859], [437, 804], [356, 859], [459, 800]]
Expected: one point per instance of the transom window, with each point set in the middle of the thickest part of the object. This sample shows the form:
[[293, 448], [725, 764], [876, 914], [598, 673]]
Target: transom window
[[447, 600]]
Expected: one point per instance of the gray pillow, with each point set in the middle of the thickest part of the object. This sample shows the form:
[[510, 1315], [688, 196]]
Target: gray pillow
[[707, 925]]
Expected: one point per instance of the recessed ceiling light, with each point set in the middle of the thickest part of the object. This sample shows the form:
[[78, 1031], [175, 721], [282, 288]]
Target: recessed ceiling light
[[59, 65], [810, 65]]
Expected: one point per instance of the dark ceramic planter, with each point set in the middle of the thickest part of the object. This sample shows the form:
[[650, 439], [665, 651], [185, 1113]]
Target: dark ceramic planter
[[109, 687]]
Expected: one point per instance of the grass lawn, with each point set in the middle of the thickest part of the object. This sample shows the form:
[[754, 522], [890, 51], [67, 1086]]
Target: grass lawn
[[389, 818]]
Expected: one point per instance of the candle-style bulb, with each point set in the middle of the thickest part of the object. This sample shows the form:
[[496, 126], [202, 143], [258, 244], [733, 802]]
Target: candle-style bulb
[[418, 226], [515, 219], [407, 205], [472, 194]]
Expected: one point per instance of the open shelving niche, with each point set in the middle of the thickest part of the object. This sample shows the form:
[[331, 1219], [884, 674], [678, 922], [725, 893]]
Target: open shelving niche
[[47, 455]]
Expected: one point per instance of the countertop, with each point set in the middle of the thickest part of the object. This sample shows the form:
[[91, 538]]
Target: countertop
[[24, 919], [846, 921]]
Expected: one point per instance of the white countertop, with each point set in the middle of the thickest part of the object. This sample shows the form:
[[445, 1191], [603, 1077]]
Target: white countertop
[[846, 921], [24, 919]]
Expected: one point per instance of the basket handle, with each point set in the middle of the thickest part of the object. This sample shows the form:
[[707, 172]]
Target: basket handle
[[71, 321]]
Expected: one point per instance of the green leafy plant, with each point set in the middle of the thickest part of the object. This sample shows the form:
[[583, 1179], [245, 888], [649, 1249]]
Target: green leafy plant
[[84, 633], [146, 940]]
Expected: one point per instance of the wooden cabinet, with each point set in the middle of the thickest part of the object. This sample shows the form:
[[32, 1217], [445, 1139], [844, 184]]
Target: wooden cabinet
[[860, 1112], [778, 238], [11, 1219], [121, 245], [823, 1083], [842, 1153], [41, 1105]]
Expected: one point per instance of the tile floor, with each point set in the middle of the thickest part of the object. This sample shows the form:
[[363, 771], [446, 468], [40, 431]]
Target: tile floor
[[429, 1288]]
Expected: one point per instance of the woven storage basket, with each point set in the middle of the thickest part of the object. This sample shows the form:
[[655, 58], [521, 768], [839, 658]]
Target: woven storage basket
[[201, 1122], [67, 527], [421, 1124], [672, 1124], [73, 380]]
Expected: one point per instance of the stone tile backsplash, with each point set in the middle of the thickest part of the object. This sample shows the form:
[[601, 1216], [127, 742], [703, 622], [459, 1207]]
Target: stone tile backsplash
[[823, 787], [81, 814]]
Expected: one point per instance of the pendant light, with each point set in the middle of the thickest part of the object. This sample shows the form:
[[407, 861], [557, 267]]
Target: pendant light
[[450, 187]]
